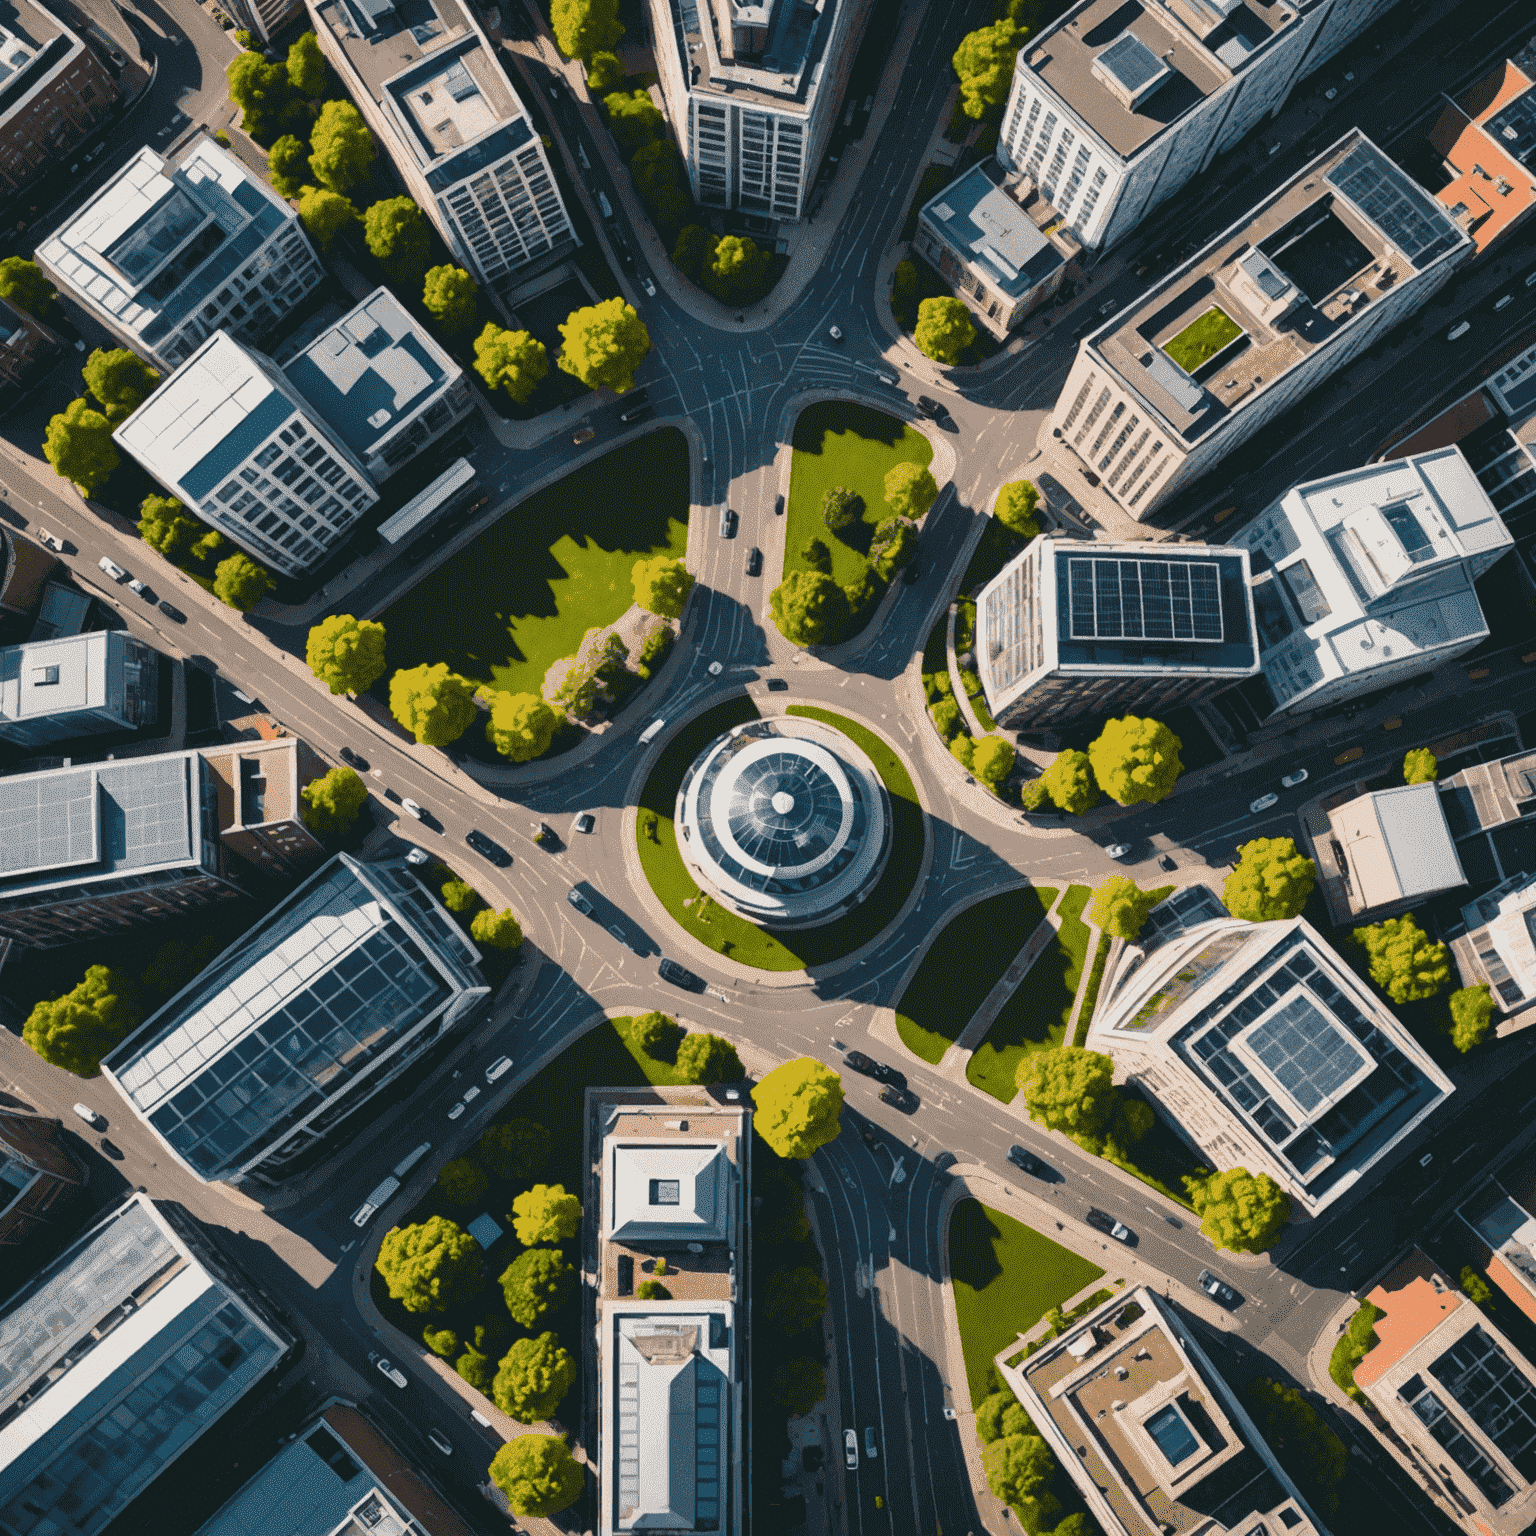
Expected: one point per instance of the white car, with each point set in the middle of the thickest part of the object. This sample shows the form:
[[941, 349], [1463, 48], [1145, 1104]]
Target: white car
[[1118, 850], [850, 1450], [498, 1068], [649, 286], [456, 1111], [386, 1369], [471, 1094], [715, 669], [835, 333], [89, 1115], [1263, 803], [1456, 332], [411, 808], [52, 540], [113, 569], [441, 1441], [1294, 780], [138, 587], [586, 821], [418, 856]]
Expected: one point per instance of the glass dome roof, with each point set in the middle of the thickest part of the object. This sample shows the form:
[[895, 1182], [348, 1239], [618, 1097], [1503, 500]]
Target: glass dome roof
[[785, 810]]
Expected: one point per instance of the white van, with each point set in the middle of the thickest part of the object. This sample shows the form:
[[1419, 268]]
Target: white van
[[370, 1207], [410, 1160], [651, 732], [605, 205]]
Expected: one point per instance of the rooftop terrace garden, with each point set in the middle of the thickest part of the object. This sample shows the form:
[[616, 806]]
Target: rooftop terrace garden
[[1202, 339]]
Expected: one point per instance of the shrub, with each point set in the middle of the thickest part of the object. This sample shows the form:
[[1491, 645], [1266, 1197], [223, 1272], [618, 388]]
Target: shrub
[[1352, 1347]]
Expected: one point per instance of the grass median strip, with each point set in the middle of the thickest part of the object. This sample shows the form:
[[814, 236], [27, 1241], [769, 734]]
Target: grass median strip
[[1091, 991]]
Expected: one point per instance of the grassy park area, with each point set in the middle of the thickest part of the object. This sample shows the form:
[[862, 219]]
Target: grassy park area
[[522, 595], [963, 965]]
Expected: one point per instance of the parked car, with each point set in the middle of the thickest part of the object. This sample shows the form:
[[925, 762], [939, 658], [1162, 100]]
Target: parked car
[[412, 809], [899, 1098], [754, 561], [172, 612], [498, 1068], [834, 333], [113, 569], [1292, 780], [1165, 861], [1118, 850], [386, 1369], [679, 976], [586, 821], [353, 759], [1456, 332], [90, 1116], [1107, 1223], [418, 856], [1028, 1162], [1219, 1289], [850, 1450], [483, 845], [579, 901], [1263, 803], [870, 1448], [860, 1063], [441, 1441]]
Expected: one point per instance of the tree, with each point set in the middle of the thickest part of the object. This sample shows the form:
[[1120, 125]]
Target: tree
[[515, 361], [477, 1368], [1476, 1288], [798, 1384], [79, 446], [841, 508], [1015, 508], [307, 73], [962, 746], [120, 380], [209, 545], [240, 582], [604, 72], [810, 608], [993, 760], [532, 1378], [1136, 760], [443, 1342], [798, 1105], [76, 1030], [817, 556], [1070, 1090], [23, 283], [695, 247], [653, 1290], [536, 1282], [288, 165], [1001, 1414], [1272, 880], [463, 1181], [794, 1297], [166, 526], [396, 231], [943, 329], [583, 28], [514, 1149], [984, 63], [1471, 1016], [346, 653], [332, 802], [1420, 766], [604, 344], [655, 1034], [1300, 1439], [576, 692], [496, 930], [705, 1059], [1240, 1211], [1404, 964], [452, 296], [1069, 782], [904, 288], [430, 1266], [634, 120], [910, 490], [547, 1213], [737, 271], [661, 585], [341, 149], [1357, 1340], [520, 725], [264, 95], [893, 548], [1120, 907], [537, 1473], [437, 706], [1018, 1468], [459, 895], [324, 214]]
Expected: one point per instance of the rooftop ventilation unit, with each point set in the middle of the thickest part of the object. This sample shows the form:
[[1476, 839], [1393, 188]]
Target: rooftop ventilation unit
[[1131, 71]]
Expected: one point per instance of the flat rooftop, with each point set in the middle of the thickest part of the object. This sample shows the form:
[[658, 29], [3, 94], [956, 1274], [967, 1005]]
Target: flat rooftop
[[1291, 276], [982, 222], [42, 679], [781, 56], [33, 44], [1130, 69], [1398, 845]]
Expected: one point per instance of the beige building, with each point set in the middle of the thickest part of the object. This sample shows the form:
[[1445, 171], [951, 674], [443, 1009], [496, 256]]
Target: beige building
[[261, 811], [1388, 851]]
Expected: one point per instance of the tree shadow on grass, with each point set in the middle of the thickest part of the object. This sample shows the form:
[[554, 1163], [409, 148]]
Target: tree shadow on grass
[[813, 423]]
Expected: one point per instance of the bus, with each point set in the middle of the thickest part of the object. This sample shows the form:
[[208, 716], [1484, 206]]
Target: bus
[[370, 1207]]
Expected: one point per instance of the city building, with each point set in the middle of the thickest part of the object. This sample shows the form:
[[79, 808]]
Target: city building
[[754, 91], [1144, 1424], [63, 611], [339, 989], [1115, 107], [785, 822], [113, 1362], [260, 806], [1497, 947], [165, 256], [673, 1451], [266, 18], [104, 847], [29, 350], [431, 87], [1365, 579], [1498, 1214], [1001, 244], [24, 571], [1486, 140], [1265, 1051], [38, 1174], [79, 685], [1386, 851], [1168, 386], [1067, 629], [1456, 1395], [338, 1476], [53, 92]]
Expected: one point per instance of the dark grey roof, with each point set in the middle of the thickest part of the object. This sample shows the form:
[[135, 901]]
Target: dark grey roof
[[1407, 215], [1514, 126]]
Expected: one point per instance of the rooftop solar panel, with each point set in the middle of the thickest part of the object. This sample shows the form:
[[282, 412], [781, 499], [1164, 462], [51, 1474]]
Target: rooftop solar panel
[[1407, 216], [1131, 62], [1145, 599], [1514, 126], [1305, 1052], [1495, 1395], [47, 821]]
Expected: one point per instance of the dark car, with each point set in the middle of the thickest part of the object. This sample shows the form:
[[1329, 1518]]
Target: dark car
[[172, 612], [1218, 1290], [579, 901], [861, 1063], [483, 845], [927, 406], [638, 413], [944, 1160], [777, 685], [899, 1098], [1107, 1223], [1165, 861], [754, 561], [888, 1074], [778, 507], [1029, 1162], [353, 759], [679, 976]]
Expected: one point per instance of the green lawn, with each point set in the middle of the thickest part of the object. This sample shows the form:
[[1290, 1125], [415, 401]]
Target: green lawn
[[837, 443], [1006, 1277], [659, 1072], [1035, 1018], [1091, 991], [523, 594], [963, 964], [1202, 339], [725, 933]]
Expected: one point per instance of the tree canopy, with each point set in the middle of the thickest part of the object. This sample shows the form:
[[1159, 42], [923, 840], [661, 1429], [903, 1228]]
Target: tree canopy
[[798, 1384], [1016, 506], [288, 165], [496, 930], [944, 329], [1403, 961], [634, 120], [704, 1058], [346, 653], [546, 1213], [397, 233], [1070, 783], [514, 1149], [655, 1034], [604, 72], [341, 149], [307, 73], [584, 28], [1001, 1414], [1018, 1468], [516, 361], [434, 704], [79, 446], [1135, 760], [910, 490], [537, 1473], [430, 1266], [1120, 907], [604, 344], [1272, 880], [120, 380], [520, 725], [841, 508], [532, 1378], [694, 247], [893, 547], [265, 97], [992, 760], [463, 1181], [165, 525], [1471, 1016], [1069, 1089], [459, 895], [452, 298], [810, 608], [76, 1030], [538, 1281], [324, 214], [1300, 1438], [662, 585], [736, 270], [332, 802], [240, 582], [798, 1105], [1240, 1211], [984, 63], [794, 1297], [1420, 766], [23, 283]]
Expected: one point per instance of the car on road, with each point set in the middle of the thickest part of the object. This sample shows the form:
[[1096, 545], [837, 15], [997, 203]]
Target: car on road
[[456, 1111], [353, 759], [1218, 1289], [851, 1450], [137, 587], [778, 506], [871, 1450], [579, 901], [834, 333], [470, 1094], [889, 1074], [412, 809], [1107, 1223], [1118, 850], [52, 540], [727, 522], [928, 406], [583, 435], [418, 856], [887, 378], [649, 286], [441, 1441], [860, 1063], [1028, 1162], [715, 668], [90, 1116], [544, 835], [172, 612], [386, 1369], [899, 1098], [754, 561], [638, 413], [1109, 307], [1504, 301], [679, 975], [1456, 332], [944, 1160], [113, 569], [1292, 780], [913, 573], [484, 846], [586, 821], [498, 1068], [1263, 803]]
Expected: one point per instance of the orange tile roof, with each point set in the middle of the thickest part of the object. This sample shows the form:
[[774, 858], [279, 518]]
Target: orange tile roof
[[1499, 86], [1412, 1308], [1510, 1283], [1480, 163]]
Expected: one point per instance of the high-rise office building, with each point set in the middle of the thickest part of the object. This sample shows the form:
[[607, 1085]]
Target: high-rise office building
[[1296, 289], [77, 685], [265, 18], [38, 1174]]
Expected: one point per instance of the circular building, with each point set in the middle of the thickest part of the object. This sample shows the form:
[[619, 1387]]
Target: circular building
[[785, 822]]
